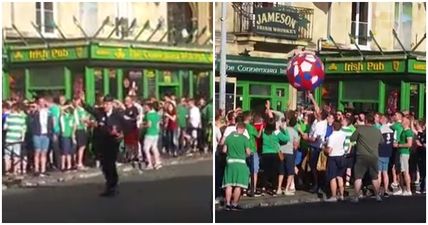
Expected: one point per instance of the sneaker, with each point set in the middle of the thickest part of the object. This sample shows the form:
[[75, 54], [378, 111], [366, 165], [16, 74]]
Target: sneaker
[[378, 198], [257, 193], [292, 190], [407, 193], [394, 185], [158, 166], [279, 192], [386, 194], [331, 199], [228, 208], [149, 167], [424, 192], [109, 193], [347, 184], [418, 192], [289, 193], [236, 208], [341, 198], [399, 192], [355, 200]]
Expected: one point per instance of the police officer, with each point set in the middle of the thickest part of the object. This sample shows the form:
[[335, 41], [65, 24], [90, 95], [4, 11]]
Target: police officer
[[107, 137]]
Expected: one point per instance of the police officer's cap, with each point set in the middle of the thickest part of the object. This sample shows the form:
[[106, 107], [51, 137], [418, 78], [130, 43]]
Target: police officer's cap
[[108, 98]]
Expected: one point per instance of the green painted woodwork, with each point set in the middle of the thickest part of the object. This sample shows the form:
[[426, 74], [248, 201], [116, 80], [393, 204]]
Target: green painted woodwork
[[68, 82]]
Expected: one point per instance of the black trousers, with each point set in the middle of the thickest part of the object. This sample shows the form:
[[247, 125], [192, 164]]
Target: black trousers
[[55, 147], [108, 154], [421, 154], [270, 164]]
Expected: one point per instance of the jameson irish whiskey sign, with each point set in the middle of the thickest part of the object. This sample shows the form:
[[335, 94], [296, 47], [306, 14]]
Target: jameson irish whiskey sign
[[280, 21]]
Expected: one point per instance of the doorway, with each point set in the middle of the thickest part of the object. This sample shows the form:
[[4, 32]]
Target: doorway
[[257, 104], [168, 90]]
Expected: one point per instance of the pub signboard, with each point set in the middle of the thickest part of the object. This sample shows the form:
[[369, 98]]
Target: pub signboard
[[282, 22]]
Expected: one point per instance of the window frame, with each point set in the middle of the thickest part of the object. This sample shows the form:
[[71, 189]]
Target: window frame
[[357, 21], [42, 19]]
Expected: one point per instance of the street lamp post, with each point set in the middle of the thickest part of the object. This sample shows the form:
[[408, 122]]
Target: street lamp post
[[222, 94]]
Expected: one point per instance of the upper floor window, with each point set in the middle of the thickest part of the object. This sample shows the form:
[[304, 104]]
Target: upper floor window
[[181, 18], [403, 24], [360, 22], [89, 17], [45, 17]]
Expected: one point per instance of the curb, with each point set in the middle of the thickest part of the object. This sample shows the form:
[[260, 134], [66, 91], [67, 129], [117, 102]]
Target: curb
[[124, 169], [274, 201]]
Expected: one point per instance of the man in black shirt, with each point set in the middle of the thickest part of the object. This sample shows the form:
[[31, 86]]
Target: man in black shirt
[[385, 153], [107, 135], [131, 133], [421, 152]]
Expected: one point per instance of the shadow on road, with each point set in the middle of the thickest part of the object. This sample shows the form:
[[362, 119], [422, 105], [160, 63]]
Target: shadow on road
[[183, 199]]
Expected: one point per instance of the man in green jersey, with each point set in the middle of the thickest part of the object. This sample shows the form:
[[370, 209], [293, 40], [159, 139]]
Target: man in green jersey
[[236, 173], [404, 144], [397, 127]]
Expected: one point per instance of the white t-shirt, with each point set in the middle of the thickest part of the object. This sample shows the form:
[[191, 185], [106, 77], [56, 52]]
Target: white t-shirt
[[231, 129], [43, 113], [336, 142], [140, 114], [217, 138], [195, 117], [319, 130]]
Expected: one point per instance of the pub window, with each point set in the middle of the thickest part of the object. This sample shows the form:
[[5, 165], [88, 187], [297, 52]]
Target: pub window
[[47, 78], [414, 98], [202, 85], [180, 18], [78, 80], [353, 91], [360, 22], [17, 83], [403, 24], [45, 17], [133, 83], [186, 84], [99, 85], [151, 82], [260, 89], [330, 93], [112, 74], [392, 96], [239, 98]]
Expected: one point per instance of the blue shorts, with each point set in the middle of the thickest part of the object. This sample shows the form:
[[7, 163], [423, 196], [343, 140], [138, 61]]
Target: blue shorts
[[298, 157], [383, 164], [253, 162], [67, 146], [336, 167], [41, 143], [289, 164]]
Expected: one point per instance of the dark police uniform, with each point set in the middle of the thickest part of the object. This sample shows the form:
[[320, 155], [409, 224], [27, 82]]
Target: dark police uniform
[[107, 144]]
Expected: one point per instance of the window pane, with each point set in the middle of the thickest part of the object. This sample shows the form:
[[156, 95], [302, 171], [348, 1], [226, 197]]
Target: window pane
[[151, 82], [414, 98], [185, 85], [360, 90], [202, 86], [354, 11], [180, 17], [17, 83], [99, 86], [330, 93], [133, 83], [260, 89], [49, 22], [47, 77], [48, 5], [364, 10], [362, 34], [113, 83]]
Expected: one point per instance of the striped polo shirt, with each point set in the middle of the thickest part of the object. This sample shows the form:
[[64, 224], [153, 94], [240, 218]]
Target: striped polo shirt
[[348, 130], [15, 127]]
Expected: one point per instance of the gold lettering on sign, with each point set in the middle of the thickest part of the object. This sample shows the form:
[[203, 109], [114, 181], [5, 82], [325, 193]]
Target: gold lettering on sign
[[38, 54], [375, 66], [102, 52], [354, 66], [395, 65], [79, 52], [419, 66]]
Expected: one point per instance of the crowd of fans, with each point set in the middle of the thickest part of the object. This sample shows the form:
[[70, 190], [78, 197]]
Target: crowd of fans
[[320, 151], [56, 134]]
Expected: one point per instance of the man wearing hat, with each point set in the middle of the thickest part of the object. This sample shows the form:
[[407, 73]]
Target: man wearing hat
[[107, 135]]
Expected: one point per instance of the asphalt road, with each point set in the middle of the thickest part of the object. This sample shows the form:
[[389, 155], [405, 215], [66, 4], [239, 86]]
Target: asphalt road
[[392, 210], [180, 193]]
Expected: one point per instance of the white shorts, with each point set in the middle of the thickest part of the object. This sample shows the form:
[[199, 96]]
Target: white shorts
[[150, 142]]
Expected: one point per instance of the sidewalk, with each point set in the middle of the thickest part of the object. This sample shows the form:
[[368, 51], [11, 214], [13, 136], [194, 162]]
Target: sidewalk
[[269, 201], [59, 177]]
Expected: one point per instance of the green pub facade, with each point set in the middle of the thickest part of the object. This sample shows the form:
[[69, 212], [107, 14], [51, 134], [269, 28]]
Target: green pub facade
[[104, 67], [350, 82], [379, 84]]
